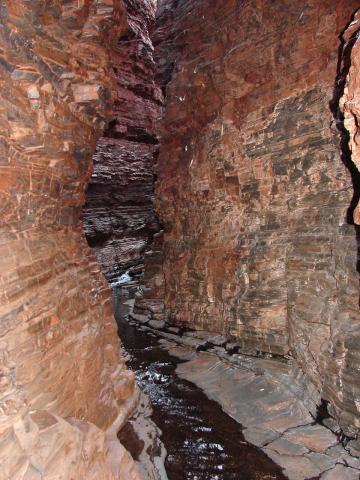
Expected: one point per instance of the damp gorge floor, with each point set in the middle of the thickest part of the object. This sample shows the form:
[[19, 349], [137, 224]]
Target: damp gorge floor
[[202, 442]]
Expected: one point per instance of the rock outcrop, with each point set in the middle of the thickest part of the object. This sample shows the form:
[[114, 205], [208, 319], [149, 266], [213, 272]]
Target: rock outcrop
[[119, 215], [349, 113], [252, 190], [258, 187], [150, 296], [64, 388]]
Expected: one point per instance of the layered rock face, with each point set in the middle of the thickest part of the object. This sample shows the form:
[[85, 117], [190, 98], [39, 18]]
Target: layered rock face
[[252, 188], [349, 107], [150, 296], [119, 216], [64, 388]]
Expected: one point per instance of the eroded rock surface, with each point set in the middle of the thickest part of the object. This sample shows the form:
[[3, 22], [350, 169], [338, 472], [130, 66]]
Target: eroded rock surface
[[270, 398], [252, 189], [64, 388], [350, 100], [119, 216]]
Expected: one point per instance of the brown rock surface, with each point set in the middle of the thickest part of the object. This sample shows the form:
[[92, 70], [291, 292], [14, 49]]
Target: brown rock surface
[[350, 101], [252, 190], [150, 297], [119, 216], [59, 348], [263, 395]]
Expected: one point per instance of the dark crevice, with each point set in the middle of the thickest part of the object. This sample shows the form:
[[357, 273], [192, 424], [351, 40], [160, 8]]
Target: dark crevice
[[132, 134], [322, 411], [343, 67], [98, 240]]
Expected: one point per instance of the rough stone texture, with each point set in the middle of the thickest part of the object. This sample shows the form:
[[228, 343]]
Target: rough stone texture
[[150, 297], [273, 401], [151, 294], [119, 216], [144, 442], [45, 446], [261, 396], [252, 190], [350, 100], [59, 349], [345, 389], [341, 472]]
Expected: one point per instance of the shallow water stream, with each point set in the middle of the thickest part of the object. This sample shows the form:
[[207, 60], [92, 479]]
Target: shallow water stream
[[202, 442]]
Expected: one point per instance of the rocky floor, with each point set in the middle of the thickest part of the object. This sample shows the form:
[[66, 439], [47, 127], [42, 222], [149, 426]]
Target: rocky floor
[[267, 396], [141, 437], [202, 441]]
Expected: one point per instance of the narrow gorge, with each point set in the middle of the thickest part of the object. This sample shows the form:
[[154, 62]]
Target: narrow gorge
[[179, 240]]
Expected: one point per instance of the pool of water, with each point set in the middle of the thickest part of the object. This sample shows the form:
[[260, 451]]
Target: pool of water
[[202, 441]]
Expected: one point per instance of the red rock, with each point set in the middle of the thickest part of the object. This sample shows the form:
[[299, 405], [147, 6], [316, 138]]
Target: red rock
[[119, 216], [59, 347], [350, 99], [251, 187], [251, 190]]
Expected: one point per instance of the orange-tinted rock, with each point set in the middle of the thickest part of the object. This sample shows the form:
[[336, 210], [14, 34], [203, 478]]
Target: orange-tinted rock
[[59, 348], [44, 445], [252, 190]]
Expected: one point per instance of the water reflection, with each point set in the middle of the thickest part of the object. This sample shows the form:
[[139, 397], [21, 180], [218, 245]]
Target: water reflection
[[203, 443]]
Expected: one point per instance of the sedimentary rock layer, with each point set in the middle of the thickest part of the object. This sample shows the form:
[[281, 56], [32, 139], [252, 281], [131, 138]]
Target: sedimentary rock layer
[[58, 342], [349, 107], [119, 216], [252, 189]]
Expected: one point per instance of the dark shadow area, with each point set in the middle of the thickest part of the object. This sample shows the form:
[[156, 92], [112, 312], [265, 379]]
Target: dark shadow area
[[322, 412], [343, 67], [133, 444]]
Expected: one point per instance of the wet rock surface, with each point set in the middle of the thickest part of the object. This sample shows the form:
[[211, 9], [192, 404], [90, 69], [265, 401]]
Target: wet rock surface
[[272, 401], [201, 440], [149, 300], [141, 438], [259, 247]]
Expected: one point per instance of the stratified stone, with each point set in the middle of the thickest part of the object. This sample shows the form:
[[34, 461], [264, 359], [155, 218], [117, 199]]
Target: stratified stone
[[253, 189], [140, 318], [314, 437], [340, 472], [274, 418], [282, 446], [150, 298], [119, 217], [157, 324], [346, 347], [52, 447], [144, 442], [295, 467], [59, 350], [351, 96]]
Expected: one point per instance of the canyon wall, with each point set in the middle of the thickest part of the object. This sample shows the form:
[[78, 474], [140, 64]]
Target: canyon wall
[[349, 107], [254, 190], [167, 28], [64, 390], [119, 216]]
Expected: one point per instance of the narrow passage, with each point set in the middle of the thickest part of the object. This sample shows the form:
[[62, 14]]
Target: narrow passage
[[202, 441]]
